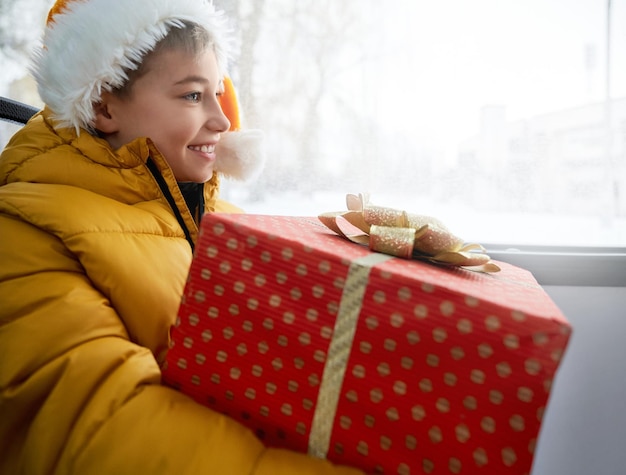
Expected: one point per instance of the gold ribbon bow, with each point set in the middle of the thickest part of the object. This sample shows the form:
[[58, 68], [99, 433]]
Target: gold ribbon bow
[[406, 235]]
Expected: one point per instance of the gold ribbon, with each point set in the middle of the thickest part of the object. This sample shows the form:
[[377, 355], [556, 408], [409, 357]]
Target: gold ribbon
[[401, 234], [339, 352]]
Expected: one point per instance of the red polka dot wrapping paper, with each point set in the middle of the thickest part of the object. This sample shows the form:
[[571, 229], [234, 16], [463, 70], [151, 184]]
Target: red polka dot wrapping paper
[[448, 371]]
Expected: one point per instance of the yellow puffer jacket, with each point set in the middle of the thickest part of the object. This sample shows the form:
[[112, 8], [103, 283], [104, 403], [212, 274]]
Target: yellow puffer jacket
[[93, 261]]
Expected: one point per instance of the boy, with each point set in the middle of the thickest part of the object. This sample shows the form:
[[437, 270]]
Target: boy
[[100, 198]]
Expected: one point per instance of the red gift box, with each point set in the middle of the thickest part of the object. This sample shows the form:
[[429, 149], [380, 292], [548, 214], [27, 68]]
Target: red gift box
[[389, 365]]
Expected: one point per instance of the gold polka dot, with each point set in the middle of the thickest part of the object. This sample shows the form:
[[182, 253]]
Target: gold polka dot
[[312, 315], [418, 413], [492, 323], [413, 337], [462, 433], [447, 308], [266, 257], [485, 350], [376, 395], [219, 229], [281, 277], [426, 385], [428, 466], [454, 465], [263, 347], [324, 267], [194, 320], [496, 397], [525, 394], [213, 312], [225, 267], [286, 409], [540, 412], [188, 342], [275, 301], [504, 369], [264, 411], [352, 396], [304, 339], [222, 356], [314, 380], [233, 309], [339, 283], [228, 333], [556, 355], [470, 403], [365, 347], [403, 469], [247, 326], [432, 361], [384, 369], [397, 320], [532, 366], [257, 370], [246, 264], [212, 252], [260, 280], [371, 323], [518, 316], [517, 423], [457, 353], [480, 457], [298, 363], [207, 335], [428, 288], [420, 311], [235, 373], [369, 420], [205, 274], [268, 324], [195, 380], [406, 363], [399, 387], [200, 358], [410, 442], [199, 296], [318, 291], [464, 326], [471, 301], [509, 457], [326, 332], [302, 270], [293, 386], [277, 364], [270, 388], [216, 378], [252, 304], [319, 356], [345, 422], [443, 405], [450, 379], [239, 287], [307, 404], [390, 345], [393, 414], [488, 424], [182, 363], [532, 446], [404, 294], [358, 371], [380, 297], [332, 307], [362, 448], [301, 428], [440, 335], [477, 376], [385, 443], [511, 342], [252, 241], [547, 385], [435, 435]]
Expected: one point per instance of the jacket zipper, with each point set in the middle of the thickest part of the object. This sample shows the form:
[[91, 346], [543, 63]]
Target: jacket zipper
[[170, 199]]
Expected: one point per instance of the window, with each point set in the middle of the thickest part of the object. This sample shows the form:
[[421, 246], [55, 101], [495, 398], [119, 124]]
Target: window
[[506, 119]]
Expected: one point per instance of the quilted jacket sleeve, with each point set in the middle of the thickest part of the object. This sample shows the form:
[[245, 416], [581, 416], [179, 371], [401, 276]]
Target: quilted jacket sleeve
[[77, 396]]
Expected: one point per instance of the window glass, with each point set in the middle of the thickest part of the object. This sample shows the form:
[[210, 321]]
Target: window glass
[[506, 119]]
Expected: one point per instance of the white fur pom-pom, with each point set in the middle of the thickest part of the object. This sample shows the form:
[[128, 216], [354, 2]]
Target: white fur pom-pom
[[241, 154]]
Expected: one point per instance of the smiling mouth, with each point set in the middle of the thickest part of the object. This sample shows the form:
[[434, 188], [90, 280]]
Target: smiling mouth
[[202, 148]]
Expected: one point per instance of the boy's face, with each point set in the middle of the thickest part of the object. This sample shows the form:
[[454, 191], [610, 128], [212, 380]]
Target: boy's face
[[175, 104]]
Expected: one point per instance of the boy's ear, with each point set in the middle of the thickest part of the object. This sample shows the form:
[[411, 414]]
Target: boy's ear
[[104, 121]]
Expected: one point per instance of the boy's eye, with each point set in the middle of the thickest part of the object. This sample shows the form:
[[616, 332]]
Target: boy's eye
[[194, 96]]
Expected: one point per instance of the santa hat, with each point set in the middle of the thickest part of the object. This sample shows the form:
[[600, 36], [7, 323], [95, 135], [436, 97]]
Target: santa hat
[[89, 45]]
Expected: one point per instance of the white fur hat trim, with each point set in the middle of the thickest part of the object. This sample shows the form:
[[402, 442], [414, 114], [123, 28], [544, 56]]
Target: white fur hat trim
[[88, 47]]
